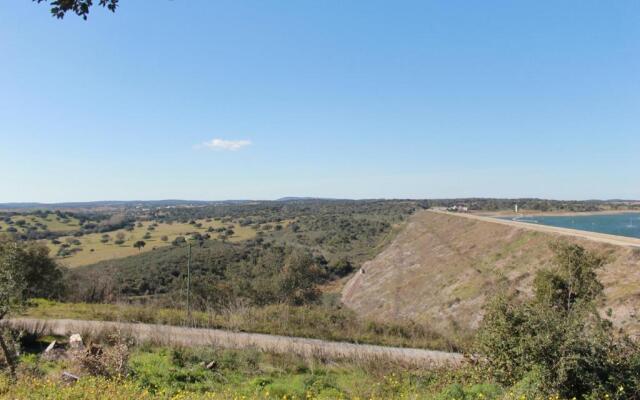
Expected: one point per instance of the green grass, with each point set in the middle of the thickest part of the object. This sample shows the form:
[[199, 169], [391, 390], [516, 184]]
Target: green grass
[[180, 373]]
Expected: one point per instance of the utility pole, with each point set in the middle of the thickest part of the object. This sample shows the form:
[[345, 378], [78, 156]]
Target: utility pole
[[189, 282]]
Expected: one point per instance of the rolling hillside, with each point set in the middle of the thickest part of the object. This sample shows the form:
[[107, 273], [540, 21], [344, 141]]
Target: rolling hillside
[[443, 268]]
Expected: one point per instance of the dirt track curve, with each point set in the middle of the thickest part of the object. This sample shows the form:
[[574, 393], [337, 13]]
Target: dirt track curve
[[175, 335]]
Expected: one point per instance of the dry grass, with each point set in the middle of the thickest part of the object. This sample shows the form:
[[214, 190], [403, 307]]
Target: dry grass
[[93, 250], [52, 222], [443, 268], [279, 319], [166, 335]]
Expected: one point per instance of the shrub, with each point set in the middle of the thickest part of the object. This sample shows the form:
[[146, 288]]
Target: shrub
[[341, 268], [111, 361], [558, 337]]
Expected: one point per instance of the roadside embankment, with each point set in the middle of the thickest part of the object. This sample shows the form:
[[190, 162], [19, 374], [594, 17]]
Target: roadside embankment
[[183, 336]]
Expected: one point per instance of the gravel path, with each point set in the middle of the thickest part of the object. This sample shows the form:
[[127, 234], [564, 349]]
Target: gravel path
[[175, 335]]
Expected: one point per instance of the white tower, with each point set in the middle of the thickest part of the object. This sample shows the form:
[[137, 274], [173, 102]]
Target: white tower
[[516, 208]]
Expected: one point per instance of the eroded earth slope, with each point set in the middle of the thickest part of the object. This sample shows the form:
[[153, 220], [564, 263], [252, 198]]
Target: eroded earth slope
[[442, 268]]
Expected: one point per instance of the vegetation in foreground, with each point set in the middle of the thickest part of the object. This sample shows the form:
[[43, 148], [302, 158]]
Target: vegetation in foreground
[[556, 343], [213, 373], [210, 373]]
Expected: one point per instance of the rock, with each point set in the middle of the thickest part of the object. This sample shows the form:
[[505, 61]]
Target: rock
[[69, 377], [50, 347], [212, 365], [75, 341]]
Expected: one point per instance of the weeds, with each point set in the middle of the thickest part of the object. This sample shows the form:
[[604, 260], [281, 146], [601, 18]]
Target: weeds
[[312, 321]]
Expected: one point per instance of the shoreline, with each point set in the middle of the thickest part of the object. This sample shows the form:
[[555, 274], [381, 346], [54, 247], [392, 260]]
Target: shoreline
[[494, 214]]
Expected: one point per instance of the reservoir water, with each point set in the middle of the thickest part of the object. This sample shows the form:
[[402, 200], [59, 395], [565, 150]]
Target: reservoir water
[[623, 224]]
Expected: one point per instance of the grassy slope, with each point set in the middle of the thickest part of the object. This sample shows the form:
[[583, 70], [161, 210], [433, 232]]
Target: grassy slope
[[110, 250], [442, 269]]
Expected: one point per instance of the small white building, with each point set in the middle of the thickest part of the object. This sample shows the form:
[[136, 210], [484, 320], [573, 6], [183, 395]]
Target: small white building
[[458, 208]]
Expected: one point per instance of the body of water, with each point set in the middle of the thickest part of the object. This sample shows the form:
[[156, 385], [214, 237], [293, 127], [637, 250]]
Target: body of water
[[623, 224]]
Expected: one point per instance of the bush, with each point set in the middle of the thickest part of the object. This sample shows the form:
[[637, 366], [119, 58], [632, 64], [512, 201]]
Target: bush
[[111, 361], [556, 342], [341, 268]]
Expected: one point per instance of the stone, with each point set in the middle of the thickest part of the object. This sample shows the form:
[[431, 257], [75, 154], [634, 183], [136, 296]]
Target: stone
[[69, 378], [50, 347], [75, 341], [212, 365]]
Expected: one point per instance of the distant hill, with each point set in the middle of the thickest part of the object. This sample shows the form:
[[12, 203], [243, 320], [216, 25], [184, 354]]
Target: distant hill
[[442, 269], [114, 204], [293, 198], [477, 204]]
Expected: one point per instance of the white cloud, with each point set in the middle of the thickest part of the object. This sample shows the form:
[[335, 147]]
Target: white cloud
[[221, 144]]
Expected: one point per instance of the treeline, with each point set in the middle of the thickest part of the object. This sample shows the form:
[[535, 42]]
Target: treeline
[[277, 211], [532, 204]]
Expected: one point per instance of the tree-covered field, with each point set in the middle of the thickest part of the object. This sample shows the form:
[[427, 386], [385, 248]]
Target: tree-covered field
[[22, 224], [74, 251]]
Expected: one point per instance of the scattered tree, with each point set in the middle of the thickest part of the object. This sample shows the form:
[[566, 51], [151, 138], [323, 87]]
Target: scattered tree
[[120, 236], [139, 244], [179, 240], [342, 267]]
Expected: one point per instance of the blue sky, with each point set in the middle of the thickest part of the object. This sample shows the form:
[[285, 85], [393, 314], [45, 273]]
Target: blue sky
[[203, 99]]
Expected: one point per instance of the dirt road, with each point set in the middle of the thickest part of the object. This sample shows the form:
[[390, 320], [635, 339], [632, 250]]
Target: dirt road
[[595, 236], [174, 335]]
